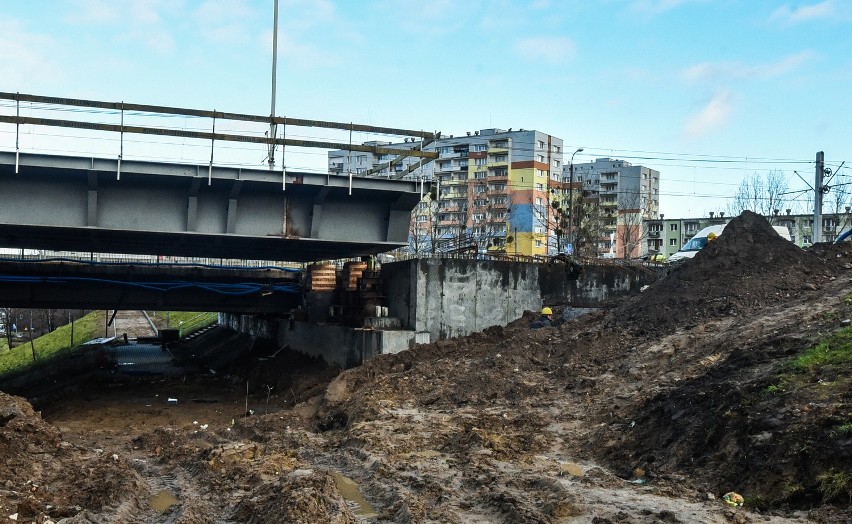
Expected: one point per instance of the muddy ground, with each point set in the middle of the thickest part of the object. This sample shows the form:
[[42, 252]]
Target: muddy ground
[[646, 413]]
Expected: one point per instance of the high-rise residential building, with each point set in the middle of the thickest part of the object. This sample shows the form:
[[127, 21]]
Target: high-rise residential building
[[491, 190], [612, 200]]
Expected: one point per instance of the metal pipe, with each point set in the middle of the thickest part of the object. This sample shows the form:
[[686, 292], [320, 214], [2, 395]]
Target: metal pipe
[[210, 167], [17, 136], [121, 144]]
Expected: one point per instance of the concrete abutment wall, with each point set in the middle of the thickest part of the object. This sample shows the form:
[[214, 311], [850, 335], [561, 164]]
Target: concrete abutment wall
[[437, 299]]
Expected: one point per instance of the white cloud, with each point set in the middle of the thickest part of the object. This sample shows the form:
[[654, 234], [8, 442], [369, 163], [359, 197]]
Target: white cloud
[[135, 21], [656, 7], [720, 71], [28, 60], [553, 49], [713, 116], [300, 52], [225, 22], [787, 16]]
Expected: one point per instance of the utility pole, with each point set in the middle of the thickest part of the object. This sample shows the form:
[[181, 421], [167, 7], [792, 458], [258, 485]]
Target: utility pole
[[273, 129], [819, 171], [571, 206]]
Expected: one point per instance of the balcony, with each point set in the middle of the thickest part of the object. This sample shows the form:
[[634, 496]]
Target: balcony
[[609, 204]]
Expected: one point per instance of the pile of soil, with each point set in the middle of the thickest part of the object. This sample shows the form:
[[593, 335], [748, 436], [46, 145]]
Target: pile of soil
[[746, 269], [43, 475], [647, 413]]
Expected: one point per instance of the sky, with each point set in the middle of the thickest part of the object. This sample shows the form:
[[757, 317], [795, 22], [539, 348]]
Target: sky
[[707, 92]]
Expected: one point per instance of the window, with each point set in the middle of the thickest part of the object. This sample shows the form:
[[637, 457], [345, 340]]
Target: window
[[539, 187], [539, 201], [501, 158], [539, 172], [655, 228], [556, 163], [556, 149], [422, 218], [540, 158], [541, 144], [672, 227], [538, 243], [673, 242], [538, 229], [691, 226], [479, 216], [480, 147]]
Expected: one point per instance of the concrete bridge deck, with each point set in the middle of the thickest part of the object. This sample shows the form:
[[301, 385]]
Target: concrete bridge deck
[[67, 203]]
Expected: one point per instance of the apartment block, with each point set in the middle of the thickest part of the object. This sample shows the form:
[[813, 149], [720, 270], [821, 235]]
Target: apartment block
[[625, 195], [491, 190]]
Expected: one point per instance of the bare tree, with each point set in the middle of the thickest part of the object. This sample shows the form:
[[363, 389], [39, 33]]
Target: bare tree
[[9, 316], [553, 219], [629, 232], [761, 194], [421, 228], [588, 228]]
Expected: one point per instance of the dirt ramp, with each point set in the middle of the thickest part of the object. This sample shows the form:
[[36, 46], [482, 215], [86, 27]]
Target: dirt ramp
[[748, 268]]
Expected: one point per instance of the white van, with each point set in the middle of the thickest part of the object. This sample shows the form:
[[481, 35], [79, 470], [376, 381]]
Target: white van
[[700, 240]]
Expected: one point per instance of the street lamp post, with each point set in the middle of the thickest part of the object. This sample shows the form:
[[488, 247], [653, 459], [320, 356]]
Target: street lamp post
[[571, 198]]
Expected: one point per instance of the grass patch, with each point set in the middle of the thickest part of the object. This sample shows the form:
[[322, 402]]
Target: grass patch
[[842, 430], [172, 319], [832, 351], [775, 388], [187, 321], [835, 484], [47, 346]]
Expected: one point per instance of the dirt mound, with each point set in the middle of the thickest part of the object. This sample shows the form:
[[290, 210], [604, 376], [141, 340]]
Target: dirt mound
[[301, 496], [44, 475], [768, 416], [747, 268], [838, 256]]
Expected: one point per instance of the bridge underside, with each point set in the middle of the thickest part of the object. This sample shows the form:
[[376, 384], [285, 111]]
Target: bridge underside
[[85, 204], [72, 285], [98, 240]]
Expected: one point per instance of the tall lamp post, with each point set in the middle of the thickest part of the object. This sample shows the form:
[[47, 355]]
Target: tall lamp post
[[571, 199]]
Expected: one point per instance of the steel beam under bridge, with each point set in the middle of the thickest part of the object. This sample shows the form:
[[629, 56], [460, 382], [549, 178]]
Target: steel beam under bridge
[[67, 284], [82, 204]]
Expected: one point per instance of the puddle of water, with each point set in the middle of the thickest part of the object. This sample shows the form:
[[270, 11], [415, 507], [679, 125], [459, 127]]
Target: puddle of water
[[350, 492], [163, 500]]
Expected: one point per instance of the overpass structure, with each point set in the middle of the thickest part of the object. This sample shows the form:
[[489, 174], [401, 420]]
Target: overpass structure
[[67, 203]]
